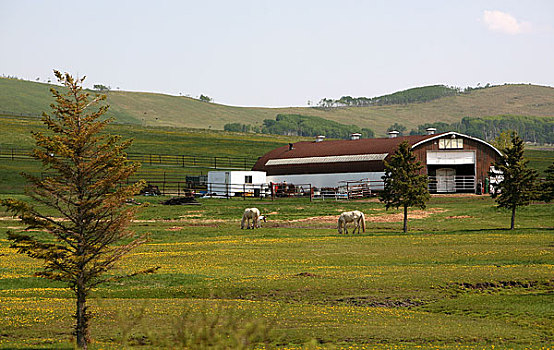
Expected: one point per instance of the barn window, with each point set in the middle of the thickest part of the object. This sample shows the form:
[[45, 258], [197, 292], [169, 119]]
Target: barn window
[[451, 143], [248, 179]]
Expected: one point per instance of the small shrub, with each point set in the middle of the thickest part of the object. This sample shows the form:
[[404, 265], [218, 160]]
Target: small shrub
[[219, 327]]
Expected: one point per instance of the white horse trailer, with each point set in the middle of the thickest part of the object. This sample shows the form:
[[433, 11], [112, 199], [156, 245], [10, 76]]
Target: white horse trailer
[[232, 183]]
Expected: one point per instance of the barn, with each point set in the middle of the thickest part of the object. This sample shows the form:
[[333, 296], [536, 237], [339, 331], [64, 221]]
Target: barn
[[454, 162]]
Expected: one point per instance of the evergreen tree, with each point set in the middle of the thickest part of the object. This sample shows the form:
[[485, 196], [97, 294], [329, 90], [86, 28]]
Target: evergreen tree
[[83, 185], [517, 187], [503, 141], [547, 187], [404, 185], [397, 127]]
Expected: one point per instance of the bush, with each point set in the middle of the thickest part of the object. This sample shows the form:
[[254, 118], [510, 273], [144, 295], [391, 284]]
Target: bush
[[220, 327]]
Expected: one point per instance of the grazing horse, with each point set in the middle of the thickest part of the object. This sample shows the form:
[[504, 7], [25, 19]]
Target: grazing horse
[[254, 215], [351, 216]]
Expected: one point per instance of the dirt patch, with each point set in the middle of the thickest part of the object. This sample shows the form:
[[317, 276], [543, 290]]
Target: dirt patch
[[181, 201], [306, 274], [394, 217], [459, 217], [398, 217], [503, 285], [325, 219], [373, 302], [175, 228]]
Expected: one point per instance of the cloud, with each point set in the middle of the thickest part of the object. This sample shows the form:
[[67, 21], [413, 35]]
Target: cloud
[[503, 22]]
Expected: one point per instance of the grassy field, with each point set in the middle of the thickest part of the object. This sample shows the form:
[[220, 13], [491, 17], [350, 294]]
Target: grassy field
[[163, 110], [16, 132], [457, 280]]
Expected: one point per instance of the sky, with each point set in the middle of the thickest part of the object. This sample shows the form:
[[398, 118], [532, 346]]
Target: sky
[[279, 53]]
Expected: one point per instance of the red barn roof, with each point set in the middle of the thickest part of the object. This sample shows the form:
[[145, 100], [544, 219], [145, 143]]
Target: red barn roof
[[339, 156]]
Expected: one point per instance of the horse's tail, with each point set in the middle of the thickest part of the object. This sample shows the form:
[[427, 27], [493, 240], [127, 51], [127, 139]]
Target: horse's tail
[[363, 222], [339, 225]]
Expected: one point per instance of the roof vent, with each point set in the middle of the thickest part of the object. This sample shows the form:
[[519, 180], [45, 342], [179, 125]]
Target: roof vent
[[431, 131], [355, 136], [319, 138], [393, 134]]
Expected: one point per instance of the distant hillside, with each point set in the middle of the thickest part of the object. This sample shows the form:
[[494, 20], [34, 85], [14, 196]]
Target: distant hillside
[[414, 95], [163, 110]]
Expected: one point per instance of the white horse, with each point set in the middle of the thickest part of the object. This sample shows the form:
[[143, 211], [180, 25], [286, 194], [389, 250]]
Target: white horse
[[351, 216], [254, 215]]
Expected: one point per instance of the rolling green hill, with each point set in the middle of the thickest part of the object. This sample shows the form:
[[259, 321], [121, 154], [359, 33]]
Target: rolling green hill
[[150, 109]]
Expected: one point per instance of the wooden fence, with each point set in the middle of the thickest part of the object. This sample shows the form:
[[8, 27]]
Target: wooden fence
[[180, 160]]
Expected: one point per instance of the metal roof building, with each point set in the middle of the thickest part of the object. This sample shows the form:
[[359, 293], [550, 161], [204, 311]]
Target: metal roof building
[[453, 161]]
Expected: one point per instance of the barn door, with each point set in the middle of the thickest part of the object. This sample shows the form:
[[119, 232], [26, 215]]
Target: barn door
[[446, 180]]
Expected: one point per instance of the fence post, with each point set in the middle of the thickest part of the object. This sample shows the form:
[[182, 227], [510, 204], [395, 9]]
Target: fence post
[[183, 159], [163, 185], [311, 193], [12, 153], [178, 188], [215, 162], [347, 192], [244, 191]]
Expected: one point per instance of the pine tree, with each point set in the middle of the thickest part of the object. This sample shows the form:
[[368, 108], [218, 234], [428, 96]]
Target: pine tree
[[404, 185], [83, 183], [517, 187]]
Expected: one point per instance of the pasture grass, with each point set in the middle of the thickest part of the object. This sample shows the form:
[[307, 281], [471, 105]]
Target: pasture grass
[[16, 132], [457, 280]]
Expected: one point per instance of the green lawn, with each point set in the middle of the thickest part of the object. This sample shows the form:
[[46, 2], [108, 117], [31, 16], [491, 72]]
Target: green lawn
[[457, 280]]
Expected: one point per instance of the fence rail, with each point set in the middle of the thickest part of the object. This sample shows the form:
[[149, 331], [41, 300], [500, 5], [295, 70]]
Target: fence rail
[[180, 160], [19, 114], [449, 184]]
